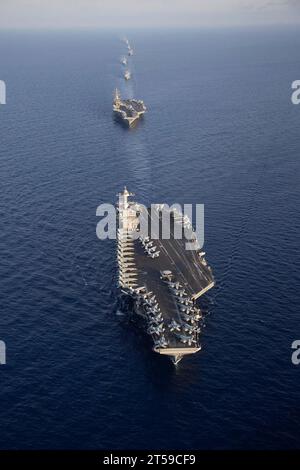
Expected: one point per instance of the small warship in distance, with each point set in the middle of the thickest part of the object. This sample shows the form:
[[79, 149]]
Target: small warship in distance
[[129, 110], [124, 61], [127, 75], [162, 278]]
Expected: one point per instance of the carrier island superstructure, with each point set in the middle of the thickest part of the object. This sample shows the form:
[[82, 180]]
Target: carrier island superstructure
[[163, 278]]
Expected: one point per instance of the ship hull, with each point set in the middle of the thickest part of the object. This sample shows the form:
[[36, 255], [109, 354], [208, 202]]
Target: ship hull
[[162, 278], [128, 110]]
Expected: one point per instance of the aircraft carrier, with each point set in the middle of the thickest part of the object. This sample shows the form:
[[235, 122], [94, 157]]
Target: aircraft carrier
[[130, 110], [163, 278]]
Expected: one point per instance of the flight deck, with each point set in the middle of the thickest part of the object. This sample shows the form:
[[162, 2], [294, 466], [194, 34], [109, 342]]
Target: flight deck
[[162, 275]]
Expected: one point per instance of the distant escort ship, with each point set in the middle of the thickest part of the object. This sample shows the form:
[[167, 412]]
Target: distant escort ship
[[162, 278], [130, 110], [130, 49], [127, 75]]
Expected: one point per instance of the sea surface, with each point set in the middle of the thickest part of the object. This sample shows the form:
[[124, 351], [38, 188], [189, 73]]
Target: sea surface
[[220, 130]]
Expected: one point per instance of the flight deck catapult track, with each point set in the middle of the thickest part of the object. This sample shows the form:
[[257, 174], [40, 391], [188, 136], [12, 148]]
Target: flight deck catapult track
[[163, 278]]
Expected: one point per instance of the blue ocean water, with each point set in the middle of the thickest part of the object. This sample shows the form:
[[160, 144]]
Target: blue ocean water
[[221, 130]]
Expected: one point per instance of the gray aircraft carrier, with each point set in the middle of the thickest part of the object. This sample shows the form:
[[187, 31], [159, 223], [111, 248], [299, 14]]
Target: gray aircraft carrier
[[130, 110], [162, 276]]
